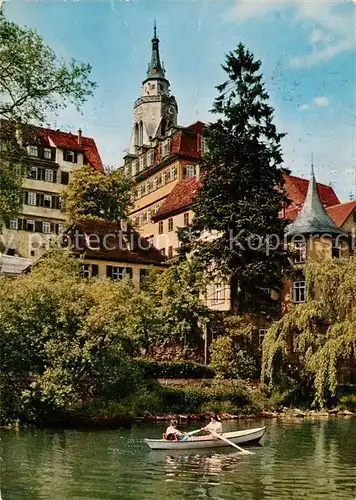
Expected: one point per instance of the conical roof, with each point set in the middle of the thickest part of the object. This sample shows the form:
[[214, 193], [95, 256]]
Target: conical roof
[[155, 68], [313, 218]]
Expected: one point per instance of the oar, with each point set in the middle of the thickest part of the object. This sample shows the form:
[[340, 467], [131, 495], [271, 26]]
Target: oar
[[246, 452], [193, 432]]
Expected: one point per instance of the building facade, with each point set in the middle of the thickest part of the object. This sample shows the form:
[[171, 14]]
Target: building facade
[[55, 156]]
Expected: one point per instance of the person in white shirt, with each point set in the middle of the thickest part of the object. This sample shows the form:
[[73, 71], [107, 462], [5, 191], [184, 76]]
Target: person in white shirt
[[172, 433], [213, 425]]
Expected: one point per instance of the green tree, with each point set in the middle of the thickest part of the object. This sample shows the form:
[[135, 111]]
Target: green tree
[[177, 295], [34, 83], [94, 195], [63, 339], [238, 203], [312, 343]]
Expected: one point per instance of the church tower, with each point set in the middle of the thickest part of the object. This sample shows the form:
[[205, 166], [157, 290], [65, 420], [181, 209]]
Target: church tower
[[156, 110]]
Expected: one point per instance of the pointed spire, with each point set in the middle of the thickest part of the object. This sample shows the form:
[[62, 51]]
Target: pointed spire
[[155, 68], [313, 218]]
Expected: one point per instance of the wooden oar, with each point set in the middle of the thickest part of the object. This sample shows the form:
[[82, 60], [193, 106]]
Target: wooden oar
[[246, 452], [193, 432]]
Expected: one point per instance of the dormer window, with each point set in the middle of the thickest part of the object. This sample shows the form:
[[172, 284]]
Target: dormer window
[[70, 156], [165, 148], [204, 145]]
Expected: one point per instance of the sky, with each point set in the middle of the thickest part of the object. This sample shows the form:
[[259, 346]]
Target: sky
[[307, 50]]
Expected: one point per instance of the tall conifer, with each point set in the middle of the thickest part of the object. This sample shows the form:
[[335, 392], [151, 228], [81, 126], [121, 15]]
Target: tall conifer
[[242, 189]]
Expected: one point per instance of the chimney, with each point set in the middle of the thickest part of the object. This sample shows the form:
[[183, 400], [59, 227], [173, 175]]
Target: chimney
[[79, 137]]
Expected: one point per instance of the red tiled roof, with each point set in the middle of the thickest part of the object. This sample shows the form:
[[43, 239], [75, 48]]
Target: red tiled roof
[[182, 195], [67, 140], [296, 189], [180, 198], [339, 213], [110, 241]]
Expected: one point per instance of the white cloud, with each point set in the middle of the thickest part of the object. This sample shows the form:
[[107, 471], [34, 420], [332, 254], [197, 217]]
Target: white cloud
[[304, 107], [333, 24], [321, 101]]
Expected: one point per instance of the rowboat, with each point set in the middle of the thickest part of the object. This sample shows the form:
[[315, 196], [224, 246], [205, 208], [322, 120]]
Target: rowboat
[[237, 437]]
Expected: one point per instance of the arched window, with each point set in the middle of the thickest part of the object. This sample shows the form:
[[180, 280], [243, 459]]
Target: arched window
[[163, 127], [137, 136], [140, 134]]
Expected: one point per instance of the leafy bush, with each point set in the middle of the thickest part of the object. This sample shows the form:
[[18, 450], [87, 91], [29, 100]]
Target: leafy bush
[[230, 361], [174, 369]]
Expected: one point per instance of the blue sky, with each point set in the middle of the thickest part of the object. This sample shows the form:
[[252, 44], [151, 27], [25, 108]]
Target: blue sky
[[307, 49]]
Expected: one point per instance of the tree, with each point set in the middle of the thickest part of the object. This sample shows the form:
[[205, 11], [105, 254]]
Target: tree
[[63, 339], [34, 83], [242, 189], [313, 342], [178, 297], [94, 195], [232, 355]]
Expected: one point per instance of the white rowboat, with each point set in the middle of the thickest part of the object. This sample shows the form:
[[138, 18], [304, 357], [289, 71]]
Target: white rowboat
[[237, 437]]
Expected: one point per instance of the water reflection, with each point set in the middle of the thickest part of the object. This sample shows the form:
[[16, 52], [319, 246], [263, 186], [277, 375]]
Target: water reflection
[[297, 460]]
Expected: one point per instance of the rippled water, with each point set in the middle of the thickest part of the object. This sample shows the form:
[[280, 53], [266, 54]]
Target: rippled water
[[298, 459]]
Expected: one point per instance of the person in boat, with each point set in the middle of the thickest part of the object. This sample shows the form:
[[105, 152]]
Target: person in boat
[[172, 433], [214, 425]]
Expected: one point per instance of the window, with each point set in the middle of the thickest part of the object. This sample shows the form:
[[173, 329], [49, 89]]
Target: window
[[139, 192], [219, 293], [30, 225], [170, 252], [261, 336], [148, 215], [164, 178], [14, 224], [170, 224], [47, 153], [48, 175], [33, 173], [186, 219], [143, 275], [204, 145], [155, 182], [119, 273], [140, 219], [336, 249], [190, 170], [160, 227], [173, 173], [301, 252], [32, 198], [141, 163], [299, 292], [60, 228], [165, 148], [148, 159], [64, 178], [86, 270], [70, 156], [33, 150], [47, 200], [46, 227], [147, 187]]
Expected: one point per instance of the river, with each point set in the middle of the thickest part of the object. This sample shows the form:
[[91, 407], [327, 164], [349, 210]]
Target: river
[[298, 459]]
